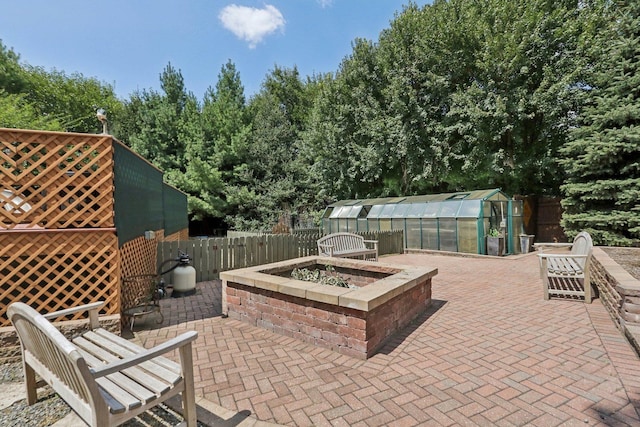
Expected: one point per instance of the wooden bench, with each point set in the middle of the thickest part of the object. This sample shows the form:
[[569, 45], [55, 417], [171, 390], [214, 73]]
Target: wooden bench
[[567, 274], [103, 377], [347, 245]]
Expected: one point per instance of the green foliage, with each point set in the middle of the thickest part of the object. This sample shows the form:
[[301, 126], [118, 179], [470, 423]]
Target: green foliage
[[602, 158], [17, 113], [329, 277], [51, 100], [12, 76]]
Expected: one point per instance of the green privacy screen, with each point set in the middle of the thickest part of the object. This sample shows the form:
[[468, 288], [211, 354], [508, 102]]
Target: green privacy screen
[[175, 210], [142, 201]]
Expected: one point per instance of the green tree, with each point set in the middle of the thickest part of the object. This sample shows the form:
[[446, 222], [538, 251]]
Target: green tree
[[155, 135], [511, 116], [602, 159], [216, 159], [272, 182], [12, 76], [16, 112], [72, 99]]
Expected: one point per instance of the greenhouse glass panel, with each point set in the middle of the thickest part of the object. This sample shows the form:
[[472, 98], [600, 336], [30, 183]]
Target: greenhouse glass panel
[[470, 209], [412, 235], [351, 225], [387, 211], [362, 224], [326, 225], [448, 231], [487, 209], [375, 210], [401, 210], [517, 208], [353, 212], [342, 225], [385, 224], [416, 210], [431, 210], [430, 234], [397, 223], [449, 209], [468, 236], [337, 211], [327, 212]]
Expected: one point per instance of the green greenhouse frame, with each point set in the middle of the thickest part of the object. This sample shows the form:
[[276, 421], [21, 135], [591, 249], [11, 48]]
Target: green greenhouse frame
[[456, 222]]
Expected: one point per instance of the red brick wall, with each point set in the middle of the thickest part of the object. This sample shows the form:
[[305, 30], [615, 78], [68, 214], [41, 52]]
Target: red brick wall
[[351, 332]]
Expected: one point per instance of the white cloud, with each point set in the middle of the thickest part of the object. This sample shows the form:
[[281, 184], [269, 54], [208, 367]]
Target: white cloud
[[325, 3], [251, 24]]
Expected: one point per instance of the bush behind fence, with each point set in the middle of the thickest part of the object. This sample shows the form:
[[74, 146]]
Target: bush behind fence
[[213, 255]]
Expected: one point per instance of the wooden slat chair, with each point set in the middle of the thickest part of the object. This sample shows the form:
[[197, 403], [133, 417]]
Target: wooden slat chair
[[567, 274], [347, 245], [106, 379]]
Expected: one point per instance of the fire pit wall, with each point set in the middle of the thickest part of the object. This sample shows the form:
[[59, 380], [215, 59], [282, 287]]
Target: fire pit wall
[[354, 322]]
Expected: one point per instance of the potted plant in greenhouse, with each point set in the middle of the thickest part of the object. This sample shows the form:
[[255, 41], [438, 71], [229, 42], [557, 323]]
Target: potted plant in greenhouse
[[495, 243]]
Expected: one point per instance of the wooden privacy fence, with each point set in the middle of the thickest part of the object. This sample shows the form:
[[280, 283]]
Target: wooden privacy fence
[[211, 256]]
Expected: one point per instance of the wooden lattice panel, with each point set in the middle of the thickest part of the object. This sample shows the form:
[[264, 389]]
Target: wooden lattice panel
[[177, 236], [138, 258], [56, 269], [55, 180]]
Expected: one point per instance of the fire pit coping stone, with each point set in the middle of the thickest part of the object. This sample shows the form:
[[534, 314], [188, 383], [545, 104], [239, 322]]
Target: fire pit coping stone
[[401, 279]]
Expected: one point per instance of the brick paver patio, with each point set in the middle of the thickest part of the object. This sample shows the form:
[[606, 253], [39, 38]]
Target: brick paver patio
[[490, 351]]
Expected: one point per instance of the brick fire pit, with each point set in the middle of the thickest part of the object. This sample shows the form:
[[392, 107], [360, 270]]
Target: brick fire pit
[[352, 321]]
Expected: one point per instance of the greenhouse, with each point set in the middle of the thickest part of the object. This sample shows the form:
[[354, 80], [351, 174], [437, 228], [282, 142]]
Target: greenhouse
[[457, 222]]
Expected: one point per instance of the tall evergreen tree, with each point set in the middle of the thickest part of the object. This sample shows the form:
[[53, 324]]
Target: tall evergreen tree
[[602, 159], [215, 160], [156, 136]]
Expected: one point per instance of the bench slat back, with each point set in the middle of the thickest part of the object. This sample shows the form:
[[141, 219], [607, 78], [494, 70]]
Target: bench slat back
[[582, 245], [42, 341], [343, 241]]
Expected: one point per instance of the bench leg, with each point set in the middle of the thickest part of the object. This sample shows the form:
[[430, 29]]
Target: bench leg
[[30, 384], [188, 394]]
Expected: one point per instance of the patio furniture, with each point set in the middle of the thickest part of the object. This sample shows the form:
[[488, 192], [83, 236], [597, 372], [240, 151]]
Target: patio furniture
[[103, 377], [148, 291], [567, 275], [347, 245]]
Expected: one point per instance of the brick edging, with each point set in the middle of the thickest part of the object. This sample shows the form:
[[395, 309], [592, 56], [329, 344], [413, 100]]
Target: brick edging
[[619, 293]]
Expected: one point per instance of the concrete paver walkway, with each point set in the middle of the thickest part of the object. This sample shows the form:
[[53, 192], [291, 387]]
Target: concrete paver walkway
[[489, 352]]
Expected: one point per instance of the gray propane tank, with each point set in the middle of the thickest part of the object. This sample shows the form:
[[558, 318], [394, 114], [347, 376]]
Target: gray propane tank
[[183, 278]]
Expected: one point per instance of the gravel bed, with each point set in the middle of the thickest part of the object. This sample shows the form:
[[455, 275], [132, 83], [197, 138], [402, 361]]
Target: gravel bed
[[51, 408], [627, 258]]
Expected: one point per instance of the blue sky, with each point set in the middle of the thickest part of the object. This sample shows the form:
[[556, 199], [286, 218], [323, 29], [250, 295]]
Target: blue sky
[[127, 43]]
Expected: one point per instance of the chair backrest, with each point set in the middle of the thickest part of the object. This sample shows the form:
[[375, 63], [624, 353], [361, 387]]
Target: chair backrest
[[582, 245], [53, 351]]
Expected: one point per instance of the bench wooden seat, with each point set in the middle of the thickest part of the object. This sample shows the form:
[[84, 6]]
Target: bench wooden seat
[[106, 379], [567, 275], [347, 245]]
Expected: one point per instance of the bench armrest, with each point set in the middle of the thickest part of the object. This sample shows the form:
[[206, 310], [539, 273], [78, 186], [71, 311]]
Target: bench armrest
[[177, 342], [561, 256], [542, 246], [373, 242], [87, 307], [92, 308]]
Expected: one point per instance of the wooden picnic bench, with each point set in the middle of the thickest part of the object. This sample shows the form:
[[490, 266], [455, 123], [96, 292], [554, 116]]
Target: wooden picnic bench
[[347, 245], [567, 274], [106, 379]]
